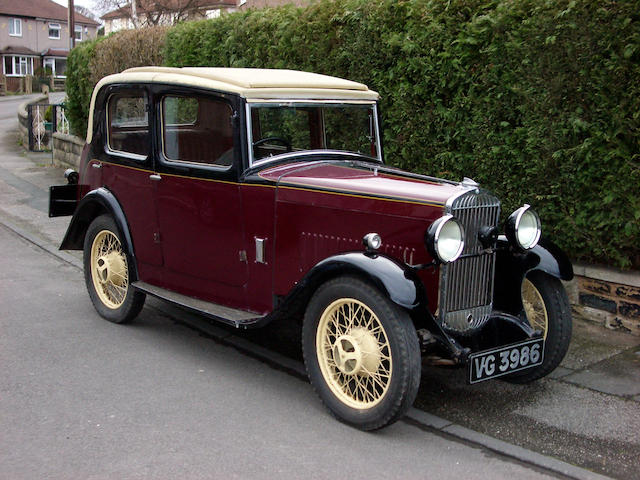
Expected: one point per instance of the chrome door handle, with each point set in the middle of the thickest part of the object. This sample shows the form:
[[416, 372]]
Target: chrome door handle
[[155, 177], [96, 165]]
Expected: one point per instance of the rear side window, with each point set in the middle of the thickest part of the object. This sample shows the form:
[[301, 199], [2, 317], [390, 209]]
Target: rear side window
[[128, 123], [197, 130]]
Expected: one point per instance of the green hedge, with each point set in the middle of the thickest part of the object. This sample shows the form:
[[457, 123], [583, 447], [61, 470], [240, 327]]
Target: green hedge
[[92, 60], [538, 101], [79, 86]]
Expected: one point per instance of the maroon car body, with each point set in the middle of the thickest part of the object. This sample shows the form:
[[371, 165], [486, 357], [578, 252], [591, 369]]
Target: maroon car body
[[212, 211]]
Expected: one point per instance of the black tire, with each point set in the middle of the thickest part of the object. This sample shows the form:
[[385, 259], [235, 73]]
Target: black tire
[[381, 339], [558, 325], [108, 277]]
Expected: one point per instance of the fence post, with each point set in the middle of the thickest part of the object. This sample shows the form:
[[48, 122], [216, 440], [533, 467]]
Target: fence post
[[54, 121], [30, 126]]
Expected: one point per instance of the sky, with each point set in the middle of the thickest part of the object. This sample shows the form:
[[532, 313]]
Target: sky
[[83, 3]]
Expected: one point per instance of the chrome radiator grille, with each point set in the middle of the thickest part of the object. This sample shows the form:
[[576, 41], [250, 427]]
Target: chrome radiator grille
[[466, 285]]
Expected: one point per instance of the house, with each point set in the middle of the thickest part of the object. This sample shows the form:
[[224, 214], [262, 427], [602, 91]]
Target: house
[[34, 34], [168, 12], [243, 4]]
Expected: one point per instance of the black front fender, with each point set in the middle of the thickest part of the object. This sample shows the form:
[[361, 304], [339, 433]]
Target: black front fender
[[396, 280], [92, 205], [512, 265]]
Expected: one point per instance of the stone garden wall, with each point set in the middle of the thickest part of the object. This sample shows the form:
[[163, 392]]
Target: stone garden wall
[[67, 149], [607, 296]]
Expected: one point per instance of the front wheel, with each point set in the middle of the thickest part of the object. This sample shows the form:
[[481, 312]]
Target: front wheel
[[547, 308], [361, 353], [106, 273]]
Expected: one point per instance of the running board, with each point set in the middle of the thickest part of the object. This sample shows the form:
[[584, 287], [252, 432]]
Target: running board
[[230, 316]]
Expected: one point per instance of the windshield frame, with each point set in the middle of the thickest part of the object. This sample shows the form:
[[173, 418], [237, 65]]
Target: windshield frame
[[302, 103]]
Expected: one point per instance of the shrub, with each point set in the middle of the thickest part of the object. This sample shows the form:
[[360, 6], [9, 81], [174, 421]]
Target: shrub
[[91, 61], [128, 49], [79, 87], [538, 100]]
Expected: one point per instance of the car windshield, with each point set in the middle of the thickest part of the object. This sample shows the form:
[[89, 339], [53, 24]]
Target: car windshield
[[279, 128]]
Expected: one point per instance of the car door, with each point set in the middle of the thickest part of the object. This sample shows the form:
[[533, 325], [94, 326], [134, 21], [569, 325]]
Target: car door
[[126, 166], [198, 197]]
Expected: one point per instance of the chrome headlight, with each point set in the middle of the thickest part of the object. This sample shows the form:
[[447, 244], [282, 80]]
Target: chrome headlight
[[445, 239], [523, 228]]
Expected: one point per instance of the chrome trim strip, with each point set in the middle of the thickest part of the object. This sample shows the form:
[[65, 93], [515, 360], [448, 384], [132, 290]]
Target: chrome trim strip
[[249, 134], [307, 153], [249, 105], [448, 206], [377, 125], [285, 101], [122, 153]]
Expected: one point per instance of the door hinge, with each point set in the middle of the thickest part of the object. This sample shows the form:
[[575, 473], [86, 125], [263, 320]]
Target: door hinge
[[156, 237], [243, 256]]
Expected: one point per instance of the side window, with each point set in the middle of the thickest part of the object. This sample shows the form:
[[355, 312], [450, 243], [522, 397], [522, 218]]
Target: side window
[[197, 130], [128, 123]]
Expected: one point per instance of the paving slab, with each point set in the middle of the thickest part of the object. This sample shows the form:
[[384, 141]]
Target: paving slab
[[590, 344], [618, 375], [596, 415], [561, 372]]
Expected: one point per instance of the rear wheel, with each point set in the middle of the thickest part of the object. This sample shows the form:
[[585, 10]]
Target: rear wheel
[[547, 308], [106, 273], [361, 352]]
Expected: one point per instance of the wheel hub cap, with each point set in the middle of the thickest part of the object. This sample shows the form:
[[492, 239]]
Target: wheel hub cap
[[111, 268], [356, 353]]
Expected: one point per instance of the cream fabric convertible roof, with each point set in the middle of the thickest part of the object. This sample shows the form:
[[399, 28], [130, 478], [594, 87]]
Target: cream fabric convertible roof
[[254, 84]]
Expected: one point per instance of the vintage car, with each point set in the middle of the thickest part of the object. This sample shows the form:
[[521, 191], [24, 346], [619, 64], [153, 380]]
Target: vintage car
[[249, 195]]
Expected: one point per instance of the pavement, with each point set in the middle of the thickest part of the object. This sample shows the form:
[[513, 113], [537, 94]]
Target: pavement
[[581, 421]]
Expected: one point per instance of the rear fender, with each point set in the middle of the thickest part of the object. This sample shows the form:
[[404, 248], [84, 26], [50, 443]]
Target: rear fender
[[513, 265], [92, 205]]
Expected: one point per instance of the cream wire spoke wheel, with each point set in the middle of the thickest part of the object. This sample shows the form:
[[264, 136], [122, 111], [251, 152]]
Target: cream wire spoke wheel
[[546, 306], [534, 307], [354, 353], [361, 352], [107, 272], [109, 269]]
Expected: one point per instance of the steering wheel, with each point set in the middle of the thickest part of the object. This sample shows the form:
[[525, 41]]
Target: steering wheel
[[281, 140]]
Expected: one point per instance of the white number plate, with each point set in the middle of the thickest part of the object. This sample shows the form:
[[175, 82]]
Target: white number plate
[[501, 361]]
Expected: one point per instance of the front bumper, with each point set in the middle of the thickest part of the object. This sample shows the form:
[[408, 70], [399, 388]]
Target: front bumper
[[501, 329]]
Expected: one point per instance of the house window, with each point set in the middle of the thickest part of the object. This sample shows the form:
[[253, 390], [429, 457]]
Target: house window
[[54, 31], [60, 67], [15, 27], [78, 32], [49, 65], [57, 66], [17, 66]]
